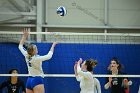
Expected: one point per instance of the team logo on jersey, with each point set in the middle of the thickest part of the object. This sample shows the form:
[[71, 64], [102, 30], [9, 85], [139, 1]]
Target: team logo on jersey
[[13, 88], [115, 81]]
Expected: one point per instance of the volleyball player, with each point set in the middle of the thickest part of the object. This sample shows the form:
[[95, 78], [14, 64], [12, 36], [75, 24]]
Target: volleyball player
[[117, 84], [13, 84], [84, 75], [34, 63]]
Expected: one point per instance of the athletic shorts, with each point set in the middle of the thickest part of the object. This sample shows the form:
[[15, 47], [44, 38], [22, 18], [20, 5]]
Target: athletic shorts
[[33, 81]]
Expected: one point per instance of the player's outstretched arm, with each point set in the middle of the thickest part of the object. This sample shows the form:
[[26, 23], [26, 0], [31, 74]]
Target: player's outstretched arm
[[75, 69], [53, 46], [23, 39], [49, 55], [24, 36]]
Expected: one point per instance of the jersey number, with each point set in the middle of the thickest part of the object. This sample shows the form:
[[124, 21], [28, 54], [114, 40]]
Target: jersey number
[[29, 62]]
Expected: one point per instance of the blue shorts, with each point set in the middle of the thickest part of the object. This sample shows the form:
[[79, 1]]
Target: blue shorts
[[33, 81]]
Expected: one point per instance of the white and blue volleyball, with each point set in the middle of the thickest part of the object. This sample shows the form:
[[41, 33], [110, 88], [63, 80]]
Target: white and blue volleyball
[[61, 11]]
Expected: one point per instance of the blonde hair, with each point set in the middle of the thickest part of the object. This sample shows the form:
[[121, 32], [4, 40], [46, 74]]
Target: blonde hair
[[30, 50]]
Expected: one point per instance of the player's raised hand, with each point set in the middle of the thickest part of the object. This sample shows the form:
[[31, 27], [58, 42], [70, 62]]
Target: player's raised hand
[[25, 32], [80, 61], [55, 43]]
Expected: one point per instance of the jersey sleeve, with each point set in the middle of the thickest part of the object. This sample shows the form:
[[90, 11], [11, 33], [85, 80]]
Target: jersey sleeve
[[107, 78], [81, 73], [22, 49], [45, 57], [3, 85], [78, 78], [22, 86], [98, 86], [139, 90]]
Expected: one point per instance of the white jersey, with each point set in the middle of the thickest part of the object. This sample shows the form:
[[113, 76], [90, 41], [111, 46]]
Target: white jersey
[[35, 62], [88, 84], [97, 87], [139, 90]]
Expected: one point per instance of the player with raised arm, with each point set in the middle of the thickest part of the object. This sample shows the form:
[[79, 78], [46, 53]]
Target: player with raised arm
[[34, 63], [84, 75]]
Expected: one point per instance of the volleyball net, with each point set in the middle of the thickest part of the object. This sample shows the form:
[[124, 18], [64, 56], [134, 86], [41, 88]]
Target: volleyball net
[[72, 46], [69, 37]]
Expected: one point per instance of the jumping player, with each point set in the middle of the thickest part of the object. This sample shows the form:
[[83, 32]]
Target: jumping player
[[34, 63]]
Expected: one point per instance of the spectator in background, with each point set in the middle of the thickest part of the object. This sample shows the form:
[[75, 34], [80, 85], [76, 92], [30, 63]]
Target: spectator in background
[[13, 84], [117, 84]]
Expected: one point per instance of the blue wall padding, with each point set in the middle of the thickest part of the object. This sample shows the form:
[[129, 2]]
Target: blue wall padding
[[64, 58]]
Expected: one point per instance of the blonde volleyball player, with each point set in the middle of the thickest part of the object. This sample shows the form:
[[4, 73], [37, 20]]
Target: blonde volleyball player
[[84, 75], [34, 83]]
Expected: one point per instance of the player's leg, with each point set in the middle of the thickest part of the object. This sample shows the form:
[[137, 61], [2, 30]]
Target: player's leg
[[38, 85], [39, 89], [29, 85], [29, 91]]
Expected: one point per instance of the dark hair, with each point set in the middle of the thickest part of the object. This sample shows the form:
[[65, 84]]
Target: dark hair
[[10, 72], [90, 63], [117, 62]]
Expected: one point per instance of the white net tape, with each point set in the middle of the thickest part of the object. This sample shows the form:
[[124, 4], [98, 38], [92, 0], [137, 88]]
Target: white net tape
[[71, 75], [67, 37]]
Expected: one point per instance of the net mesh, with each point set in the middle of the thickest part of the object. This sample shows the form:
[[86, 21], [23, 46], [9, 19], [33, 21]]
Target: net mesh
[[59, 70], [110, 38], [68, 82]]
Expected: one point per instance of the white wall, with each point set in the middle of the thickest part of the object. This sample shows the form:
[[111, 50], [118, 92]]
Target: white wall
[[124, 12], [91, 12], [79, 12], [84, 13]]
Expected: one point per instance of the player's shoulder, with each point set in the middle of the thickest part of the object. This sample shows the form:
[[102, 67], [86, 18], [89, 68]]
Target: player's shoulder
[[89, 73], [96, 79], [109, 73], [20, 80], [6, 82], [120, 72], [36, 56]]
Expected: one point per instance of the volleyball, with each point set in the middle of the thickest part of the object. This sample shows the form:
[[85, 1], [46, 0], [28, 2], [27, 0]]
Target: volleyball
[[61, 11]]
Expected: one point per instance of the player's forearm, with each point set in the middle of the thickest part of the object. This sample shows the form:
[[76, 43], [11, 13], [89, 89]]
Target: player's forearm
[[80, 72], [75, 70], [107, 85], [78, 69], [99, 90], [52, 47], [23, 39], [46, 57], [99, 87]]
